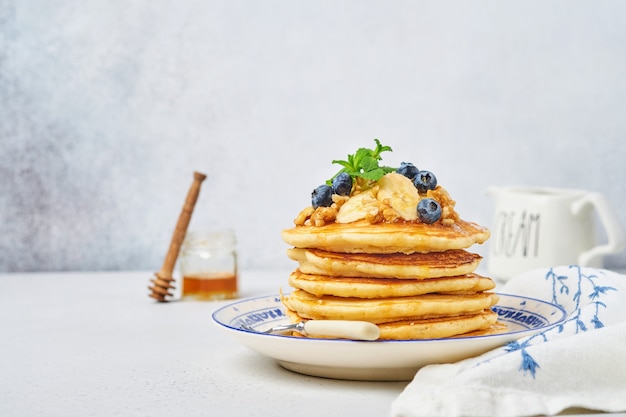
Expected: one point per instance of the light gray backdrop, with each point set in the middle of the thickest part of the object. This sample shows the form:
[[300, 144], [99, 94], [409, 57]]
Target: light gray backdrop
[[108, 106]]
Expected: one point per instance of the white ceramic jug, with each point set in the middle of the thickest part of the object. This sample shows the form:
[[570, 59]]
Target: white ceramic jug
[[535, 227]]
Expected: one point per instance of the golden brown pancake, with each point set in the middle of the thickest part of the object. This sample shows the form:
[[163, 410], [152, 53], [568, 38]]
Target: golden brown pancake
[[403, 237], [484, 322], [388, 265], [365, 287], [437, 327], [496, 328], [381, 310], [372, 255]]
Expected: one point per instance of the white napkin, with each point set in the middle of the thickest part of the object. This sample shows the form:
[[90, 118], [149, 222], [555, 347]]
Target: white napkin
[[581, 364]]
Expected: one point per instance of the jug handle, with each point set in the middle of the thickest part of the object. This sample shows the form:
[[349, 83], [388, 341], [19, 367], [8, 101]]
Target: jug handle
[[610, 222]]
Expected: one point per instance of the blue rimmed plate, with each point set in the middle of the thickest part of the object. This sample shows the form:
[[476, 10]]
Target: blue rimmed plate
[[379, 360]]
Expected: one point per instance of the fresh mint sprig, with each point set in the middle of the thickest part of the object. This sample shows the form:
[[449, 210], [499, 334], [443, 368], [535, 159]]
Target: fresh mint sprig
[[363, 165]]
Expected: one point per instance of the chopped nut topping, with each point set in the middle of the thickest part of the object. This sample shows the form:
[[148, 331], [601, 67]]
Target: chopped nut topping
[[303, 216], [323, 215], [379, 211]]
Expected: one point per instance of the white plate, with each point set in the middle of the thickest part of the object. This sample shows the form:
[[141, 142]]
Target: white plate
[[379, 360]]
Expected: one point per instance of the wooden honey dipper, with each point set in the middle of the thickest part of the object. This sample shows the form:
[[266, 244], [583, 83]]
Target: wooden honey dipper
[[163, 281]]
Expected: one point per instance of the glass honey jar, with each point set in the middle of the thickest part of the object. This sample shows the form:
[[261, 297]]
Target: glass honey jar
[[208, 265]]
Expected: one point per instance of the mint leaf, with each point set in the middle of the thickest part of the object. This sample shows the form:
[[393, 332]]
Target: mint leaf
[[369, 164], [364, 164]]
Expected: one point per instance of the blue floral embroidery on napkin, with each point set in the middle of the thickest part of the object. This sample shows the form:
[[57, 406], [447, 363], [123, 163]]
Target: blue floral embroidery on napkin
[[562, 286], [564, 289]]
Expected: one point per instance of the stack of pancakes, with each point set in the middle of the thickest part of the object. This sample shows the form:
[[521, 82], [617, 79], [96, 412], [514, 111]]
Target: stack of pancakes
[[414, 280]]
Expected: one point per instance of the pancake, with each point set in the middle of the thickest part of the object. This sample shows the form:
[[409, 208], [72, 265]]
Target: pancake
[[364, 287], [402, 237], [386, 245], [388, 265], [438, 327], [481, 323], [381, 310]]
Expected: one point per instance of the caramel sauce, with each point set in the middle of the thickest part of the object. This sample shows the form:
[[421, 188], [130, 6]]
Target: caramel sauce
[[210, 286]]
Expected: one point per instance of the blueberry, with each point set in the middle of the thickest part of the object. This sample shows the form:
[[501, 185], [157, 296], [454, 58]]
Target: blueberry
[[429, 210], [424, 181], [322, 196], [408, 170], [342, 184]]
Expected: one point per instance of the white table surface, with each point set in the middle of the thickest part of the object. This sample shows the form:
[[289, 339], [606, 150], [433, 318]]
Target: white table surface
[[94, 344]]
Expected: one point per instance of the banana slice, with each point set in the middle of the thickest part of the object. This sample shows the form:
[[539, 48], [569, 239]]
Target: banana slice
[[358, 207], [401, 193]]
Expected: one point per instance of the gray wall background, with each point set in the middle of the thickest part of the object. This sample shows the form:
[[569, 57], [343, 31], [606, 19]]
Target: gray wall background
[[108, 106]]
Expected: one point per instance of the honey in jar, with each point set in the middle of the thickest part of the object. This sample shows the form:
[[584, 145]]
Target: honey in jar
[[208, 265]]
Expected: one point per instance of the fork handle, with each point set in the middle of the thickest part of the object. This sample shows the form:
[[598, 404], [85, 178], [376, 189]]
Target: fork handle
[[344, 329]]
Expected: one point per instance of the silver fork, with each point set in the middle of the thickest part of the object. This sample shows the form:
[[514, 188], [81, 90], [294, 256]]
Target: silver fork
[[340, 329]]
